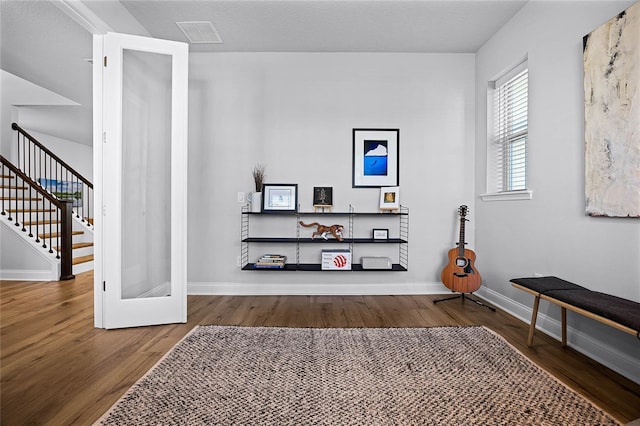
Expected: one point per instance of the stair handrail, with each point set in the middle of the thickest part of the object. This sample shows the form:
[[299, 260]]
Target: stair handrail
[[64, 247], [26, 168]]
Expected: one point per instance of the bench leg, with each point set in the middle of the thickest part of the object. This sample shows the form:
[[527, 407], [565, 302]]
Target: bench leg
[[534, 317], [564, 326]]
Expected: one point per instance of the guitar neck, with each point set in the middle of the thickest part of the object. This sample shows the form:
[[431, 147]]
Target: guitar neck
[[461, 242]]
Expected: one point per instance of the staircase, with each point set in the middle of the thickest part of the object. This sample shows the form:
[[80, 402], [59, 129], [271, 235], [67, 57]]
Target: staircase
[[48, 204]]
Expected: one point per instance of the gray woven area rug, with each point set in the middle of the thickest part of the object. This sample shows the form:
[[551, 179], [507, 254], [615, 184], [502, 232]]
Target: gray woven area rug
[[383, 376]]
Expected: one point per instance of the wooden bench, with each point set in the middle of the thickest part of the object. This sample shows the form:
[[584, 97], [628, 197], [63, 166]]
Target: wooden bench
[[614, 311]]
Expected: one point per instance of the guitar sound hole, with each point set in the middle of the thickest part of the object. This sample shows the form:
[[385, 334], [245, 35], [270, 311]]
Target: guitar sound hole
[[461, 262]]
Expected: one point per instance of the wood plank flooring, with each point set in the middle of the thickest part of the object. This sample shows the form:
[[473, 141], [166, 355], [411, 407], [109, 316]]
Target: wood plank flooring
[[57, 369]]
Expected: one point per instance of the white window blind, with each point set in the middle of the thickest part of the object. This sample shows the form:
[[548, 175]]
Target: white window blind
[[510, 117]]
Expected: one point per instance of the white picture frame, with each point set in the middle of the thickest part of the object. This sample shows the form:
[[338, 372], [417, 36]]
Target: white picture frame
[[390, 198], [380, 234]]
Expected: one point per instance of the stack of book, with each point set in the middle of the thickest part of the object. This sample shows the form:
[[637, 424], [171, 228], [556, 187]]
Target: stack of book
[[270, 261]]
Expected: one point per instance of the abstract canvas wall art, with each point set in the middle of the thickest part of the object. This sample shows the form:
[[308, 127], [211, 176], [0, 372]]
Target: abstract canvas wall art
[[612, 116]]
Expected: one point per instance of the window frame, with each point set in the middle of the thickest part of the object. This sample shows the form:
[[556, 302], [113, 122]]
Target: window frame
[[497, 171]]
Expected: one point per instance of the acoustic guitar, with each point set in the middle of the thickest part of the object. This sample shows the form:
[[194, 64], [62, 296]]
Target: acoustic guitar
[[460, 274]]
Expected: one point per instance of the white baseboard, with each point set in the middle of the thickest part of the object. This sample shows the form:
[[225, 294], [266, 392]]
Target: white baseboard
[[31, 275], [598, 350], [296, 289]]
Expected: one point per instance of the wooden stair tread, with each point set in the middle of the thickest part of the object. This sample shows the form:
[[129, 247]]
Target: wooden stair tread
[[40, 222], [13, 187], [82, 259], [83, 245], [75, 246], [7, 177], [30, 210], [20, 199], [55, 234]]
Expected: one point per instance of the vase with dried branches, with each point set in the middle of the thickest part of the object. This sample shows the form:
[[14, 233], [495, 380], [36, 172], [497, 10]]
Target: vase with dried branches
[[258, 178]]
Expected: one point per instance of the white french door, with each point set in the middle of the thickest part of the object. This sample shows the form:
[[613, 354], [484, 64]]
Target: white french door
[[140, 273]]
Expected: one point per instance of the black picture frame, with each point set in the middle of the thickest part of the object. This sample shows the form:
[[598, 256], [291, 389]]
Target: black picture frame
[[376, 158], [380, 234], [279, 198], [322, 196]]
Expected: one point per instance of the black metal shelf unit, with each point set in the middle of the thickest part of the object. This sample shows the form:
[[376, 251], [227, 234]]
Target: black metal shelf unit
[[402, 241]]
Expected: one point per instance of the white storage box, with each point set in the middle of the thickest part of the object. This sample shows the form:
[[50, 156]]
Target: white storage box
[[336, 260], [376, 263]]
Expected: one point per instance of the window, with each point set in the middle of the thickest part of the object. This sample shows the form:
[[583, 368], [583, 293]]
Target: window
[[508, 135]]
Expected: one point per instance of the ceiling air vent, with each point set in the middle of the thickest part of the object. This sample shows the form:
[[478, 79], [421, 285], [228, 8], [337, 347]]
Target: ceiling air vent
[[200, 32]]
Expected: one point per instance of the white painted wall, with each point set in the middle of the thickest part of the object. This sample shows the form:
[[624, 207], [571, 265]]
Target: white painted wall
[[22, 259], [78, 156], [551, 234], [295, 113], [16, 99]]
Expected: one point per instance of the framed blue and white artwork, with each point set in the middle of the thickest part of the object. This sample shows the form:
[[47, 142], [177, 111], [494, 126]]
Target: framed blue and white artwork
[[376, 158]]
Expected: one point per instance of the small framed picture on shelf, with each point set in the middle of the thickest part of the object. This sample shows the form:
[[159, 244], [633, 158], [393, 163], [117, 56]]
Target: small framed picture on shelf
[[279, 197], [390, 198], [322, 196], [380, 234]]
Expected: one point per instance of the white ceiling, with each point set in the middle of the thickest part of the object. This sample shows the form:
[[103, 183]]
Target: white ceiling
[[332, 26], [42, 42]]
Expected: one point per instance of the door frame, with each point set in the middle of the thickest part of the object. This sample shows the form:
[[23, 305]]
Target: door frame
[[107, 280]]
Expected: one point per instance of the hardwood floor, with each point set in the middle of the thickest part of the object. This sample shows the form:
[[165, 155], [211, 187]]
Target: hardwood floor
[[58, 369]]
